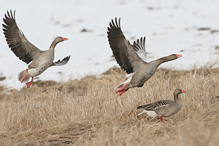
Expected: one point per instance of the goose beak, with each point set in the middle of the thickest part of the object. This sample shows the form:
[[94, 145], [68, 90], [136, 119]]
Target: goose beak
[[178, 55], [64, 39], [183, 91]]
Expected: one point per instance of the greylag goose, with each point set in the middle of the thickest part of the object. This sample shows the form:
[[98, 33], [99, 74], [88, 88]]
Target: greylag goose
[[27, 52], [131, 58], [163, 108]]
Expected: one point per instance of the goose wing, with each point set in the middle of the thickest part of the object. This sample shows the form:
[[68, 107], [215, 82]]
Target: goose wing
[[156, 105], [122, 50], [16, 40], [61, 62], [139, 47]]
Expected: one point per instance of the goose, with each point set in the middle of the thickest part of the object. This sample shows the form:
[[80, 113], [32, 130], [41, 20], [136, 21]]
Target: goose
[[132, 58], [163, 108], [27, 52]]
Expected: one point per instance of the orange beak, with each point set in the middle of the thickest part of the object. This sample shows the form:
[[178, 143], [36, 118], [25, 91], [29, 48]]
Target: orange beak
[[183, 91], [178, 55], [64, 39]]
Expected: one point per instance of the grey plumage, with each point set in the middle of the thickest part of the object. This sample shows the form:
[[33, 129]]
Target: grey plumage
[[21, 74], [154, 106], [139, 47], [61, 62], [132, 58], [123, 51], [164, 107], [16, 40], [38, 60]]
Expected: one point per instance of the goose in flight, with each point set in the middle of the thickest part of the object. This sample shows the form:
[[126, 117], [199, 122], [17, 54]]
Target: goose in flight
[[131, 58], [27, 52]]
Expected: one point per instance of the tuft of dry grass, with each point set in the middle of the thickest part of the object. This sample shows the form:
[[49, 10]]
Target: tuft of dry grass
[[86, 111]]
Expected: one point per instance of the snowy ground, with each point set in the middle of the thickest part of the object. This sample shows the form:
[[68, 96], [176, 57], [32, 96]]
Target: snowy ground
[[188, 27]]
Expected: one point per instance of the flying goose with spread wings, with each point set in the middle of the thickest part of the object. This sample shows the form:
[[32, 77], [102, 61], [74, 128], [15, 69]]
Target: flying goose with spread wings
[[38, 60], [131, 58]]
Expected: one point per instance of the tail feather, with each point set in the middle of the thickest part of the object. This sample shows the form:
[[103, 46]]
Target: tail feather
[[128, 80], [21, 74], [121, 85], [144, 111]]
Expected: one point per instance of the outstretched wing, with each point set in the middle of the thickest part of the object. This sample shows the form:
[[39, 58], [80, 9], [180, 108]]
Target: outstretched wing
[[16, 40], [122, 50], [61, 62], [139, 47]]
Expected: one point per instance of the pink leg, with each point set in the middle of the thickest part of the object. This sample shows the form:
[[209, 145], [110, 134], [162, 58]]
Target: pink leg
[[29, 83], [161, 119], [25, 74], [121, 89]]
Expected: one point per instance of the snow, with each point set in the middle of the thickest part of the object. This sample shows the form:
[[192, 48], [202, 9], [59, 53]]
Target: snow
[[170, 26]]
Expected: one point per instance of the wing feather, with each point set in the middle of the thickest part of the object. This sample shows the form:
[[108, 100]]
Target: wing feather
[[16, 40], [61, 62], [156, 105], [139, 47], [122, 50]]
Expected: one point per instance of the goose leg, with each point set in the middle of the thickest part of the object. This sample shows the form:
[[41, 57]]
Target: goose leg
[[29, 83], [161, 119], [121, 90], [25, 74]]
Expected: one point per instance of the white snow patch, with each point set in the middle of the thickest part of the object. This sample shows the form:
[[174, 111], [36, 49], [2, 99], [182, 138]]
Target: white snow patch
[[170, 26]]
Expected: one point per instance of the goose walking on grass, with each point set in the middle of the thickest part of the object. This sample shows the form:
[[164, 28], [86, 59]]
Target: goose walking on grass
[[27, 52], [131, 58], [163, 108]]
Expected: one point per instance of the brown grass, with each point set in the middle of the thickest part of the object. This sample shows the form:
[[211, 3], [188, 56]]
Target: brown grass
[[86, 112]]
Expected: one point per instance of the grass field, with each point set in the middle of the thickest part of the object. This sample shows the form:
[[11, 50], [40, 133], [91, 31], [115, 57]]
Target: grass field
[[86, 111]]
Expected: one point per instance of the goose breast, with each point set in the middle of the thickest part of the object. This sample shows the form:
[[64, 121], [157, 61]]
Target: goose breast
[[39, 65]]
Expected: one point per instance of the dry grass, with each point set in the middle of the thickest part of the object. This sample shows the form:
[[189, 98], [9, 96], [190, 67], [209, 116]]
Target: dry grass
[[87, 112]]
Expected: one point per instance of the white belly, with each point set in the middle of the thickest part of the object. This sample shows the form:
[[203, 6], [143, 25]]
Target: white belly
[[41, 64], [149, 113], [33, 72], [38, 70]]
